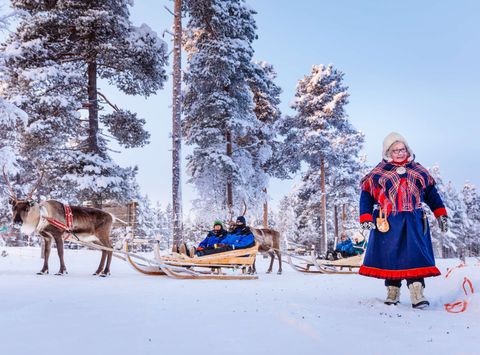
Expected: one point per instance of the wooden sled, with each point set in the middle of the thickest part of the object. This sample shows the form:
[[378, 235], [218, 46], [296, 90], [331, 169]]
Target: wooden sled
[[320, 266], [180, 266], [349, 265]]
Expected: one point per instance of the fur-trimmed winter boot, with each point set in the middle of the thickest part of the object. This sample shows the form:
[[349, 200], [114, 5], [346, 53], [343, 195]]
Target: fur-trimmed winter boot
[[393, 295], [416, 295]]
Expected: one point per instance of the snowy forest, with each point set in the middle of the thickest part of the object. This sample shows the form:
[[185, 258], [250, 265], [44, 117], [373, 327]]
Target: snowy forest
[[57, 123]]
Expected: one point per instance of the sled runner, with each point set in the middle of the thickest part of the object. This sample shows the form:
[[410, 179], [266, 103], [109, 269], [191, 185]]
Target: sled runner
[[181, 266], [348, 265]]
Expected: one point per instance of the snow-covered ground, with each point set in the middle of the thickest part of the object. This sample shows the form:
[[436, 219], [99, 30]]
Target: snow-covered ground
[[293, 313]]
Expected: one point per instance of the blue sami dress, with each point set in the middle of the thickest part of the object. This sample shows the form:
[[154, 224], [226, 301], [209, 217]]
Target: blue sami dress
[[405, 250]]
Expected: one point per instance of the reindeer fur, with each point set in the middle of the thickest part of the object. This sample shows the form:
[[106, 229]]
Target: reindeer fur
[[269, 241], [89, 225]]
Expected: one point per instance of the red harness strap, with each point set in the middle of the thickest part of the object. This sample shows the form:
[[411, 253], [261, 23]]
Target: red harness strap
[[67, 227]]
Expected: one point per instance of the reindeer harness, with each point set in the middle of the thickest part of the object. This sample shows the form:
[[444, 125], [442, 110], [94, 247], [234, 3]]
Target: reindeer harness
[[67, 226]]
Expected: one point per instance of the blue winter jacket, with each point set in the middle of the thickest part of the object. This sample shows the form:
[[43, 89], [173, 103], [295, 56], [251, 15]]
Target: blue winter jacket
[[346, 247], [239, 238], [212, 238]]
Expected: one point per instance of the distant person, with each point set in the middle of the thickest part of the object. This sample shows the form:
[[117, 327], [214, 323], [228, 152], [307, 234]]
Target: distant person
[[241, 236], [359, 245], [213, 239], [345, 247], [400, 246]]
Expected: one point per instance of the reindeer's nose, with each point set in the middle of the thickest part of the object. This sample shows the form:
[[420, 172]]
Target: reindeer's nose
[[17, 221]]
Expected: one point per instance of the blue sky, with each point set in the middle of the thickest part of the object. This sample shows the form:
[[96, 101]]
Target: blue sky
[[411, 66]]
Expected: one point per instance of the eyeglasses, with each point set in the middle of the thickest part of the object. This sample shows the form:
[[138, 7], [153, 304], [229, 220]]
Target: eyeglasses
[[399, 151]]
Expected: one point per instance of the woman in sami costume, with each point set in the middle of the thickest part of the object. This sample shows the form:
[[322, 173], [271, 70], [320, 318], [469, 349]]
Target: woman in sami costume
[[402, 248]]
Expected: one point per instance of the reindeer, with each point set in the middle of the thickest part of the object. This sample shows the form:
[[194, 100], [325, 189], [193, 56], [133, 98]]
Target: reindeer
[[88, 225], [269, 240]]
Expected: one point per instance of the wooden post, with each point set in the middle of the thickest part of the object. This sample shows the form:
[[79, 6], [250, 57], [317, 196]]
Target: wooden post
[[344, 217], [176, 125]]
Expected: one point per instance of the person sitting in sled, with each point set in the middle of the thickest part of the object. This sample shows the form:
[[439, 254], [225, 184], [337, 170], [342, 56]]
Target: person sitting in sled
[[400, 246], [345, 247], [359, 246], [241, 237], [213, 238]]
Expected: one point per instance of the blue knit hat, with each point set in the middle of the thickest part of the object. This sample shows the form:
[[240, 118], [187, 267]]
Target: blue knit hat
[[241, 219]]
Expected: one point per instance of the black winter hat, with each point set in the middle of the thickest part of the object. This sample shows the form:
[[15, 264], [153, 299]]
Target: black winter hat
[[241, 219]]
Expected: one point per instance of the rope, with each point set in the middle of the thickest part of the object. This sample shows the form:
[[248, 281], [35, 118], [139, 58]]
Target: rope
[[467, 286], [461, 306]]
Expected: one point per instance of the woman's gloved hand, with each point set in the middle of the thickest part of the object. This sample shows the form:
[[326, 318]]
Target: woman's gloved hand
[[368, 226], [443, 223]]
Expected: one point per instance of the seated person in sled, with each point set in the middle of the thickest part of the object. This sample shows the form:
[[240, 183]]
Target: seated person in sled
[[344, 249], [359, 246], [239, 238], [213, 239]]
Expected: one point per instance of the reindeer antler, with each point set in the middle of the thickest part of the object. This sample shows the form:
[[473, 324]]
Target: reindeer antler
[[29, 196], [5, 177], [244, 208]]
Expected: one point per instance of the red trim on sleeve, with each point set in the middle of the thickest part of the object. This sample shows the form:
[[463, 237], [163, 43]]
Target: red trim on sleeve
[[366, 217], [440, 212]]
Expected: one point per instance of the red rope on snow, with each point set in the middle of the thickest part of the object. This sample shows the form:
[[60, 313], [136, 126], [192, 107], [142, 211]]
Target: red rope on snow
[[453, 268], [461, 306]]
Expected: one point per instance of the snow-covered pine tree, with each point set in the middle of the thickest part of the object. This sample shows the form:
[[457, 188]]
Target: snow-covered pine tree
[[218, 105], [265, 146], [471, 200], [167, 224], [458, 220], [343, 176], [146, 218], [149, 223], [12, 124], [286, 223], [452, 243], [318, 135], [162, 230], [54, 59]]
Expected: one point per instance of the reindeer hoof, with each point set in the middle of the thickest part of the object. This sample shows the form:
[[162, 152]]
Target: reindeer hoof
[[279, 273], [104, 274], [269, 272], [42, 272], [62, 273]]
